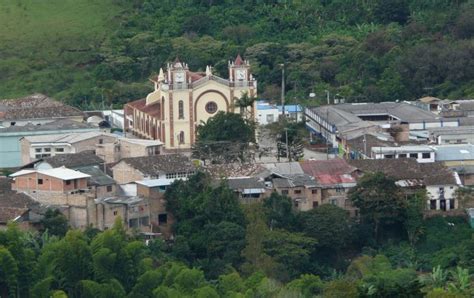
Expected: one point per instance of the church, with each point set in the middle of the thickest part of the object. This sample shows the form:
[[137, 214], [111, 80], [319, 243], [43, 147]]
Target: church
[[183, 99]]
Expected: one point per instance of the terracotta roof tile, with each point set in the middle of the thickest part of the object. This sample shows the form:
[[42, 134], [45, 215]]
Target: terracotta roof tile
[[435, 173], [329, 172], [154, 165], [34, 107], [13, 204]]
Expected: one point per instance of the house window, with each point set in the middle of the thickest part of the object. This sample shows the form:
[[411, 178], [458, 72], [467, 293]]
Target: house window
[[315, 204], [413, 155], [133, 223], [59, 149], [180, 110], [40, 181], [426, 155], [12, 123], [314, 191], [115, 212], [270, 118], [181, 137], [333, 202], [388, 155], [297, 191], [451, 204], [109, 188], [402, 155], [101, 141], [211, 107], [68, 182], [37, 156], [441, 190], [47, 149], [295, 203], [37, 150], [284, 192], [145, 221], [162, 219], [432, 204]]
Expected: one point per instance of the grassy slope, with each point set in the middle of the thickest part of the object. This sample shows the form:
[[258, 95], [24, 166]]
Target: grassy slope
[[39, 33]]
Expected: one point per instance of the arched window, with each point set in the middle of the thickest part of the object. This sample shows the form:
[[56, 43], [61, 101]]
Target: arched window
[[181, 137], [180, 110]]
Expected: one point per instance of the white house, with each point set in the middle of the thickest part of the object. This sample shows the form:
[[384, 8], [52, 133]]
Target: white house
[[266, 113], [422, 154]]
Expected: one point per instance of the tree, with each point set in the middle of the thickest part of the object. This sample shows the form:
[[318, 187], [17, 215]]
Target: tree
[[243, 103], [414, 217], [224, 138], [8, 273], [388, 11], [307, 284], [55, 222], [291, 250], [340, 288], [279, 212], [256, 259], [329, 224], [379, 279], [209, 224], [380, 201]]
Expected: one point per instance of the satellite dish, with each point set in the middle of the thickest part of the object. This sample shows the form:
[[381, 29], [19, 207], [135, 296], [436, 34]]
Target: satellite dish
[[312, 94]]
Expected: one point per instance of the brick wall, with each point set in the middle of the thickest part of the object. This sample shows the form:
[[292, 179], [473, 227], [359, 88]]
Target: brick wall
[[123, 173]]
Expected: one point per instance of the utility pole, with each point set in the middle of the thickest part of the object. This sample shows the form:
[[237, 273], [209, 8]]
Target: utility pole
[[327, 97], [286, 140], [283, 89]]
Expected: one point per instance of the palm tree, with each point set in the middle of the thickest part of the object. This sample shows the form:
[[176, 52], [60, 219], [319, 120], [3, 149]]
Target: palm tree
[[243, 103]]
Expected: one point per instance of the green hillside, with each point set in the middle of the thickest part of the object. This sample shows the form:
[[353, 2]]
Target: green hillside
[[90, 52], [45, 45]]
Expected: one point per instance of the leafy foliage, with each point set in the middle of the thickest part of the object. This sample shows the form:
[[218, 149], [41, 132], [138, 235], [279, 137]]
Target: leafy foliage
[[224, 138], [98, 53]]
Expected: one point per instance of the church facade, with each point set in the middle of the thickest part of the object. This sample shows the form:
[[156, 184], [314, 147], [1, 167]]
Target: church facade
[[183, 99]]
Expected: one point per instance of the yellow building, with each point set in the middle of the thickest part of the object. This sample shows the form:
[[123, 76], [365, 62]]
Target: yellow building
[[183, 99]]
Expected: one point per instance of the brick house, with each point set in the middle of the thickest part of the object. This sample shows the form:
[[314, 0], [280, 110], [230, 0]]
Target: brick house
[[334, 178], [153, 190], [17, 207], [58, 187], [301, 188], [439, 181], [134, 211], [127, 147]]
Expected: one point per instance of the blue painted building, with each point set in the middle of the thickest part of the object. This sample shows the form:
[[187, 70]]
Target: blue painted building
[[10, 151]]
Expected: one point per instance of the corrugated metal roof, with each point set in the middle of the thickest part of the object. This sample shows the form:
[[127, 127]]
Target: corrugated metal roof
[[454, 152]]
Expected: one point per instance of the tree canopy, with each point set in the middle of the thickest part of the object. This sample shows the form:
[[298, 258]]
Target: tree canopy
[[225, 137]]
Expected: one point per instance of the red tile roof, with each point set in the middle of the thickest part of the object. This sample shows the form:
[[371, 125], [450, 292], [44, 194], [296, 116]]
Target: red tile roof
[[153, 109], [196, 75], [238, 61], [329, 172]]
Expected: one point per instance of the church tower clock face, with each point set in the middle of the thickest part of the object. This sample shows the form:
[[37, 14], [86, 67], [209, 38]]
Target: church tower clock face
[[179, 77], [240, 74]]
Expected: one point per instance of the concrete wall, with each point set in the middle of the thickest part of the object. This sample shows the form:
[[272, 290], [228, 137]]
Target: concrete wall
[[419, 155], [434, 192], [262, 116], [29, 150]]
